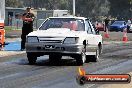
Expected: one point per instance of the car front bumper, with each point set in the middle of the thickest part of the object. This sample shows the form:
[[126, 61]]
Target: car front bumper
[[48, 48]]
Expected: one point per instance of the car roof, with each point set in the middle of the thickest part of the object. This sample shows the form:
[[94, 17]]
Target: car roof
[[119, 21], [70, 17]]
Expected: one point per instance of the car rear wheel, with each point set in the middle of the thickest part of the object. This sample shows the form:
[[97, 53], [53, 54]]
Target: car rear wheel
[[97, 54], [31, 58], [94, 58], [122, 29], [80, 59]]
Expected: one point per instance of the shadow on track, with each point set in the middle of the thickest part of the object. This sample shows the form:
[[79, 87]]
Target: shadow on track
[[45, 62]]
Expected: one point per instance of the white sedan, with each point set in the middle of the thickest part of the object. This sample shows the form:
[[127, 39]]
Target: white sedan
[[64, 36]]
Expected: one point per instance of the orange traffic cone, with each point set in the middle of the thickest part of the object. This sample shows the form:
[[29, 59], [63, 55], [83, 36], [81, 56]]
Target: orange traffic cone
[[106, 35], [125, 38]]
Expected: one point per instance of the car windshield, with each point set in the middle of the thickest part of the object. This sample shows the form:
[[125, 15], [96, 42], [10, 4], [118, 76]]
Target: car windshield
[[70, 23], [118, 22]]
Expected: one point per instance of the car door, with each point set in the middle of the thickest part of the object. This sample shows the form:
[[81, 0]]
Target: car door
[[89, 37], [95, 37]]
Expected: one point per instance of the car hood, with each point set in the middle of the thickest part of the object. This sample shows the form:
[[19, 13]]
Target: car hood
[[57, 32]]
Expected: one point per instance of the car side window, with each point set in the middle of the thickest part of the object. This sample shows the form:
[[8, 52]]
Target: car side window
[[92, 29], [88, 28], [43, 26], [80, 25]]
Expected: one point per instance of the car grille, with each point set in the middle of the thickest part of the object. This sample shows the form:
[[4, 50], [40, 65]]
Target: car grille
[[50, 40]]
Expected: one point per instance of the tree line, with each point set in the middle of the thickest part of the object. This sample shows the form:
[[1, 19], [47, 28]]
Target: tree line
[[87, 8]]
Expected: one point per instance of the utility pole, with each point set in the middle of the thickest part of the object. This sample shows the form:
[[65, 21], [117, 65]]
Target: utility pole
[[30, 3], [2, 9], [74, 7]]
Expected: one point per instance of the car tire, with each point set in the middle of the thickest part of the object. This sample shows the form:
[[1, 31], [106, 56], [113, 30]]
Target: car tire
[[94, 58], [81, 59], [121, 30], [31, 58], [100, 48], [117, 30], [55, 58]]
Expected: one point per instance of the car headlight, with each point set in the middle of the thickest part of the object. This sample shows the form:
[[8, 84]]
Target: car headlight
[[32, 39], [70, 40]]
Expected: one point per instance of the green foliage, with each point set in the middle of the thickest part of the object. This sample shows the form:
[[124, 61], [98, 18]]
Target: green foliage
[[48, 4], [7, 28], [13, 3], [120, 8], [87, 8]]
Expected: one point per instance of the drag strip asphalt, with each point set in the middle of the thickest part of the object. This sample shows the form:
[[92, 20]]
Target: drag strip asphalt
[[15, 72]]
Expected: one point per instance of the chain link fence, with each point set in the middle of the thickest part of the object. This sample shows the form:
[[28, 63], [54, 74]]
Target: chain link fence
[[14, 19], [16, 24]]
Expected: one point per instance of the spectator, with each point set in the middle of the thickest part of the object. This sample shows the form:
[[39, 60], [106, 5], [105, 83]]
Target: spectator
[[106, 22], [128, 25], [10, 20], [129, 22], [28, 19], [74, 26]]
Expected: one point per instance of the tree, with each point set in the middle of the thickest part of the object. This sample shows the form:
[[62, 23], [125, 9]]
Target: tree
[[120, 8], [13, 3], [49, 4], [87, 8], [92, 8]]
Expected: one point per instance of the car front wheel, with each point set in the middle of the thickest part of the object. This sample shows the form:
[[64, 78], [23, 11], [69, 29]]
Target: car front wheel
[[31, 58]]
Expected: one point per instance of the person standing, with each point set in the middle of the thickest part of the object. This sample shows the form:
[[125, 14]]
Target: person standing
[[28, 19], [128, 25], [106, 22]]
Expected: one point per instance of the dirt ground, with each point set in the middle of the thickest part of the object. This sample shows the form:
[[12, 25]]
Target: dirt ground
[[13, 33], [116, 36]]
